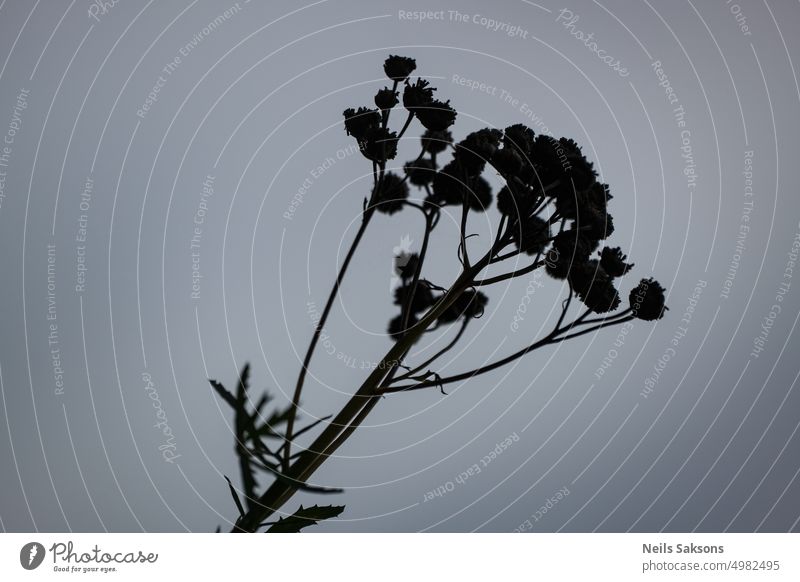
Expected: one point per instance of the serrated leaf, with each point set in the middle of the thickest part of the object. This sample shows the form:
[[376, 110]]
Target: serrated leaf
[[243, 386], [235, 497], [277, 418], [223, 393], [305, 517]]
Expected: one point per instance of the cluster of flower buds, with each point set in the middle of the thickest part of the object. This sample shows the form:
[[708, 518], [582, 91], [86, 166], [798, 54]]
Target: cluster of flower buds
[[552, 204], [543, 173], [468, 305], [368, 125]]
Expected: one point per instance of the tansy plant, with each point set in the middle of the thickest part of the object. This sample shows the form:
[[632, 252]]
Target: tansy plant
[[553, 216]]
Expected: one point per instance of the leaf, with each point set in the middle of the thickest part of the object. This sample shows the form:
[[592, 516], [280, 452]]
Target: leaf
[[277, 418], [235, 497], [305, 517], [223, 393], [243, 385], [265, 398]]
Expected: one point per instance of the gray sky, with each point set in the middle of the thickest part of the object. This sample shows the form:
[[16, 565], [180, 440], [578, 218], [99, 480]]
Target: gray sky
[[134, 129]]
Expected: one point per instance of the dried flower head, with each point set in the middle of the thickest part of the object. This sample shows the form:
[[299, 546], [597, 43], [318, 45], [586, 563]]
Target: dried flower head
[[507, 161], [647, 300], [423, 298], [386, 98], [357, 123], [562, 160], [435, 142], [476, 149], [532, 235], [451, 185], [417, 95], [399, 68], [393, 191], [469, 304], [379, 144], [515, 199], [595, 224], [570, 248], [519, 137], [479, 196], [436, 115], [601, 297], [613, 261], [420, 172]]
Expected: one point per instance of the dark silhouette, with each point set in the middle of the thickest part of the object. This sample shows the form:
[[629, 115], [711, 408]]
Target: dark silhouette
[[552, 210]]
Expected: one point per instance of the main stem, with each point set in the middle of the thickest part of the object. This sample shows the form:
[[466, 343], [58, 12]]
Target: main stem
[[354, 411], [318, 332]]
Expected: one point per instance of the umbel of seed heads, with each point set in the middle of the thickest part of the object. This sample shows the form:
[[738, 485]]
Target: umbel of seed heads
[[551, 202]]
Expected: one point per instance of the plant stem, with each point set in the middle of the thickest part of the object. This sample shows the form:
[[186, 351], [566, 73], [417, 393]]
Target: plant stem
[[406, 309], [551, 338], [310, 459], [318, 332], [357, 408], [505, 276], [464, 211], [409, 118], [438, 354]]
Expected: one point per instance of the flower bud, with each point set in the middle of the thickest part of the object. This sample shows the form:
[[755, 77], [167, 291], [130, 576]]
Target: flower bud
[[386, 98], [435, 142], [399, 68], [436, 115], [356, 123], [647, 300]]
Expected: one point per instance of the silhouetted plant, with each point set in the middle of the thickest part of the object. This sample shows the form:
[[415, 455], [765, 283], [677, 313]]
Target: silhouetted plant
[[553, 215]]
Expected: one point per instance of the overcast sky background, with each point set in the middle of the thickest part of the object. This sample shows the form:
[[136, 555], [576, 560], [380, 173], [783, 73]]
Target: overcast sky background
[[256, 105]]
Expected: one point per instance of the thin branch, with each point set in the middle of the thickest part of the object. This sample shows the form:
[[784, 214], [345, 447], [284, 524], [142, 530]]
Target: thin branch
[[500, 229], [385, 112], [318, 332], [551, 338], [565, 307], [299, 484], [406, 124], [464, 256], [508, 255], [414, 205], [603, 319], [438, 354], [472, 373], [511, 275], [406, 308], [304, 430], [597, 327]]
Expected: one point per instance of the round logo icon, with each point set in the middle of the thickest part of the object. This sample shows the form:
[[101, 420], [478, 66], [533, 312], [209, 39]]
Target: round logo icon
[[31, 555]]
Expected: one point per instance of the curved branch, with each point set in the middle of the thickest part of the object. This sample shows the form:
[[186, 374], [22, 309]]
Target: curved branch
[[318, 332], [512, 274], [438, 354], [406, 308], [551, 338]]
